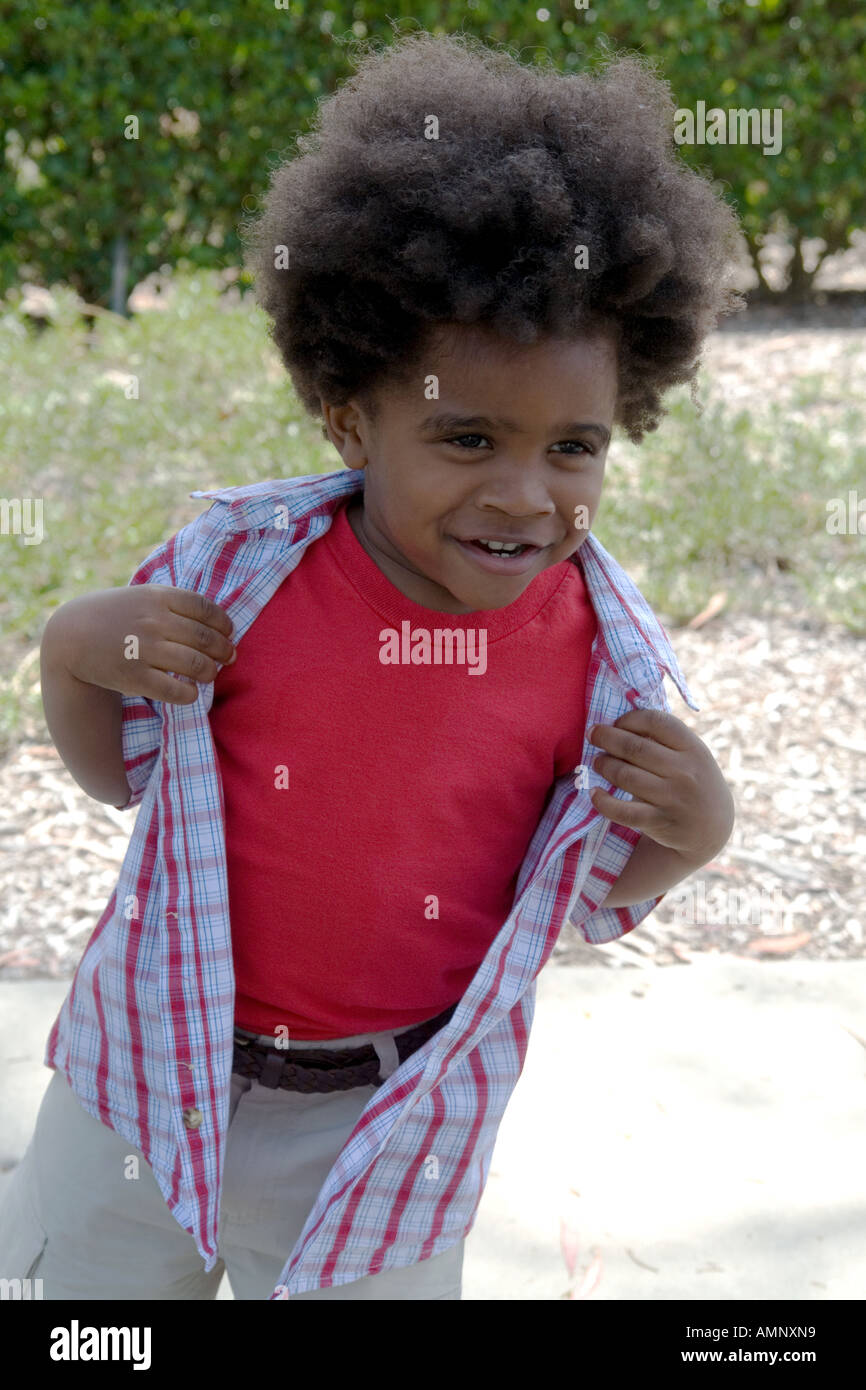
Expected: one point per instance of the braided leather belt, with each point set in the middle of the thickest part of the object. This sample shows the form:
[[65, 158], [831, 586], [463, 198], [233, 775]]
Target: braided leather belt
[[325, 1069]]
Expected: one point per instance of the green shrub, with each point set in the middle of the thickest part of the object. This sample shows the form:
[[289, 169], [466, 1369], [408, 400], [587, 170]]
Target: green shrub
[[220, 96]]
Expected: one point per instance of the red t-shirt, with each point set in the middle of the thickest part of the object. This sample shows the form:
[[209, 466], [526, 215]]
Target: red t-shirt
[[377, 815]]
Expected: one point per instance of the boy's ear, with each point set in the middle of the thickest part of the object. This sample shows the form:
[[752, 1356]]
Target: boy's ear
[[341, 428]]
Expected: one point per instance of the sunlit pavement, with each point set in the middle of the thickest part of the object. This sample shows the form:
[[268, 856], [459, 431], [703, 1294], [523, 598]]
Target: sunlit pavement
[[698, 1128]]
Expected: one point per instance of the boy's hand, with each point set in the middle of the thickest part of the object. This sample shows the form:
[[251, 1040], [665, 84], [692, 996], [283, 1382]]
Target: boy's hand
[[176, 630], [681, 799]]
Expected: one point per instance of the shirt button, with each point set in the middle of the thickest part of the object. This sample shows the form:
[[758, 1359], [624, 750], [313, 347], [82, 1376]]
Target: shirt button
[[192, 1118]]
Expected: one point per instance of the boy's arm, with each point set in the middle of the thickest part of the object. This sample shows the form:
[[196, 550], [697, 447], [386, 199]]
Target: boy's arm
[[110, 741], [650, 872], [85, 721]]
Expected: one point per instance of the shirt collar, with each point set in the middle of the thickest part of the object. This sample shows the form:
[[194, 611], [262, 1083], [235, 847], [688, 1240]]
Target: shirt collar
[[636, 647]]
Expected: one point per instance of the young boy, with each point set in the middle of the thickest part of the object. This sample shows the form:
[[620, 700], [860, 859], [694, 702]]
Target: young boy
[[292, 1036]]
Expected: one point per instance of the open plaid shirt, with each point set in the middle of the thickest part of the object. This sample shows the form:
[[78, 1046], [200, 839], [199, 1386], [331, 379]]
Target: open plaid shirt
[[145, 1034]]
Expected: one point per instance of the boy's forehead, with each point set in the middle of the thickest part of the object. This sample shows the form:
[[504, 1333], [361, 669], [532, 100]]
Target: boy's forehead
[[481, 344], [475, 366]]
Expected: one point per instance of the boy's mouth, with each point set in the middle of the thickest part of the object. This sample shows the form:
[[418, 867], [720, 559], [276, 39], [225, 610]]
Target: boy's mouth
[[514, 558]]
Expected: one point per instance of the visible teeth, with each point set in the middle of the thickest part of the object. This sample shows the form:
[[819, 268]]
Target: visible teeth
[[508, 548]]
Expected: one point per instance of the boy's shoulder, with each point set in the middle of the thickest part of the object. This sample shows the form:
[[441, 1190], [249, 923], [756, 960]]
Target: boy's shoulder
[[281, 503], [283, 511]]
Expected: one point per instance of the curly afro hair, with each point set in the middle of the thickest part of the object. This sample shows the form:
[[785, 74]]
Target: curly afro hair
[[389, 232]]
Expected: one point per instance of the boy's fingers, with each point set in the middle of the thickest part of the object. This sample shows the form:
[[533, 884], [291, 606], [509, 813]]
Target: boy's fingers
[[637, 781], [184, 661], [198, 637], [189, 603], [631, 747], [659, 725], [637, 815]]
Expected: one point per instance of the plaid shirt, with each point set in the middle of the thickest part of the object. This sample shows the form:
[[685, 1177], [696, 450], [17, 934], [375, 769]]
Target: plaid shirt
[[145, 1034]]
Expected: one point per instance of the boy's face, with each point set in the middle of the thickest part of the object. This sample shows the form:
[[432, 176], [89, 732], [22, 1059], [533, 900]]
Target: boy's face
[[521, 458]]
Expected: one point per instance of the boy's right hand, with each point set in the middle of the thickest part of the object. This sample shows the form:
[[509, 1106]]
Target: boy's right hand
[[177, 630]]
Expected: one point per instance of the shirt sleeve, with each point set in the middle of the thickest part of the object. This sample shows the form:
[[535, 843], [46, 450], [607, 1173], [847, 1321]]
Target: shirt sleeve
[[608, 923], [140, 735], [141, 729]]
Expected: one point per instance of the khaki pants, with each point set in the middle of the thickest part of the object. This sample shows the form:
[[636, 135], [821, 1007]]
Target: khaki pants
[[72, 1219]]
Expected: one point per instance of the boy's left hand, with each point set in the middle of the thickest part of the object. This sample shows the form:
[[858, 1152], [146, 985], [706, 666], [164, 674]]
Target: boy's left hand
[[681, 800]]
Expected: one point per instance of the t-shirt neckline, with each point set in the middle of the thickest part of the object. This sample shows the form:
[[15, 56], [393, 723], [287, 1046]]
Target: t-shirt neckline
[[381, 594]]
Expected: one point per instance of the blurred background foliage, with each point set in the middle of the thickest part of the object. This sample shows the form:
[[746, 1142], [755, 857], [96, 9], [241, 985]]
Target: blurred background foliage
[[219, 95]]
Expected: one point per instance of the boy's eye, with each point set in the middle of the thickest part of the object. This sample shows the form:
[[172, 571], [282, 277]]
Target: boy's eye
[[577, 443], [460, 438]]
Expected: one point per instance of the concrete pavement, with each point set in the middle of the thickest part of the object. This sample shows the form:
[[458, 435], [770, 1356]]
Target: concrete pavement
[[700, 1128]]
